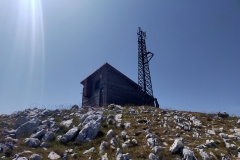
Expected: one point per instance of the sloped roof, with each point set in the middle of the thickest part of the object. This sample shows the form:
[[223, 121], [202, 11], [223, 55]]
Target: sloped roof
[[114, 69]]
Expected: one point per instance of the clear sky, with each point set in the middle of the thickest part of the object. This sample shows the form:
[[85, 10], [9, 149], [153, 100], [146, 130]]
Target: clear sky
[[48, 46]]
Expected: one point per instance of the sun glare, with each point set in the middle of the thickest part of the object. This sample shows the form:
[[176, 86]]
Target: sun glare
[[30, 37]]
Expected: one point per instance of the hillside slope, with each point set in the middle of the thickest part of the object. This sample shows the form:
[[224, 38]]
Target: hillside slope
[[115, 132]]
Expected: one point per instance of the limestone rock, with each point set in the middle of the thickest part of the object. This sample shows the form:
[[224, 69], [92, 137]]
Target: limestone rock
[[49, 136], [91, 150], [20, 121], [35, 157], [110, 134], [204, 155], [157, 149], [67, 123], [188, 154], [52, 155], [32, 142], [105, 157], [70, 135], [89, 131], [39, 134], [26, 129], [152, 156], [176, 146], [102, 147]]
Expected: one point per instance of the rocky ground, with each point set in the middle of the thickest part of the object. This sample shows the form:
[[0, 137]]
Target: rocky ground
[[120, 133]]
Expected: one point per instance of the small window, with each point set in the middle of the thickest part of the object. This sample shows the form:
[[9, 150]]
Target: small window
[[97, 84]]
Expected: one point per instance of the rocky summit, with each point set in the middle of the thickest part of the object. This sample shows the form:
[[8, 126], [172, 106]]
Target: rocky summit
[[118, 133]]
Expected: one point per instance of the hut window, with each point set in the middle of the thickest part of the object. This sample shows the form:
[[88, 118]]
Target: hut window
[[97, 84]]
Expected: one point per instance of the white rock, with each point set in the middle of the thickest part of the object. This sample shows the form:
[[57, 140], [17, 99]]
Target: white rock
[[210, 143], [26, 129], [157, 149], [188, 154], [67, 123], [176, 146], [118, 151], [238, 122], [91, 150], [124, 146], [94, 117], [39, 134], [127, 124], [67, 137], [35, 157], [49, 136], [102, 147], [32, 142], [211, 131], [105, 157], [151, 142], [152, 156], [114, 142], [20, 121], [53, 155], [223, 135], [204, 155], [110, 134], [134, 142], [118, 118], [89, 131]]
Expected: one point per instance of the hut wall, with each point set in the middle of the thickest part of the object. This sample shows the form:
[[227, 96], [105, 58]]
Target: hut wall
[[98, 82], [120, 90]]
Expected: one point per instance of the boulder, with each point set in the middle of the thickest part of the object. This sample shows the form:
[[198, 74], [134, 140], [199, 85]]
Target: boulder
[[46, 113], [157, 149], [53, 155], [204, 155], [44, 145], [26, 129], [223, 135], [188, 154], [75, 108], [91, 150], [110, 134], [210, 143], [152, 156], [20, 121], [238, 122], [102, 147], [176, 146], [118, 118], [89, 131], [49, 136], [39, 134], [70, 135], [104, 157], [32, 142], [114, 142], [95, 117], [67, 123], [35, 157], [152, 142]]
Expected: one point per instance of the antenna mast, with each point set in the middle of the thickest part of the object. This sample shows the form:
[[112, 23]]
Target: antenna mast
[[144, 78]]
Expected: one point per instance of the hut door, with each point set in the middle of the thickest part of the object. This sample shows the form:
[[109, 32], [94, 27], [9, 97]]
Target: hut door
[[101, 97]]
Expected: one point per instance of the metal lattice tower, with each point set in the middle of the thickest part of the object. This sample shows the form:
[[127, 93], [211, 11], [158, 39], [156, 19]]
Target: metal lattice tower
[[144, 78]]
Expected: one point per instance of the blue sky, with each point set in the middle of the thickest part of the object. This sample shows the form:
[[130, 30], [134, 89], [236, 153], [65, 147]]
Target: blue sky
[[48, 47]]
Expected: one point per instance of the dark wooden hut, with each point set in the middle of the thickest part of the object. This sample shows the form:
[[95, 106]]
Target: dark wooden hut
[[107, 85]]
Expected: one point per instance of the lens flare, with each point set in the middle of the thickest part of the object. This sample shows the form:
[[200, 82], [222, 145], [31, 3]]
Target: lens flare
[[30, 40]]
